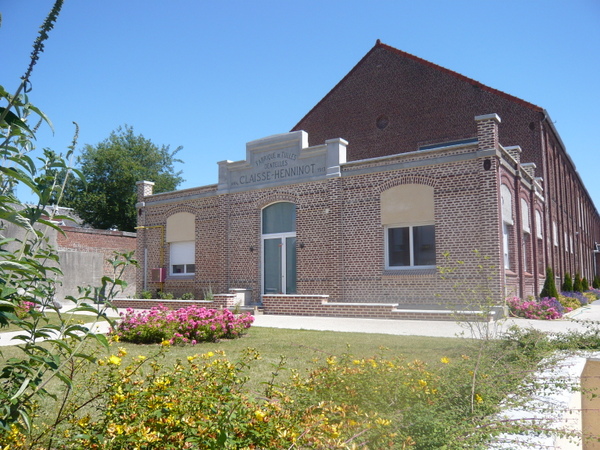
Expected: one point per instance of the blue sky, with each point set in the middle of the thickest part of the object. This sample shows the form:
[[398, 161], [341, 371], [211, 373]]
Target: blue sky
[[211, 76]]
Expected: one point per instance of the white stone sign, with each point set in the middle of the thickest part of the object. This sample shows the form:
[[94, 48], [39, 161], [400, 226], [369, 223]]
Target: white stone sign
[[282, 159]]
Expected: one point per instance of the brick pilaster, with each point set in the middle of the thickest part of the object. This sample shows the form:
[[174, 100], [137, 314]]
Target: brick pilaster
[[487, 131]]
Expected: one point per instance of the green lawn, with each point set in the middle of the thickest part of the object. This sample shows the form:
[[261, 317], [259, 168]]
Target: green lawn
[[54, 320], [302, 348]]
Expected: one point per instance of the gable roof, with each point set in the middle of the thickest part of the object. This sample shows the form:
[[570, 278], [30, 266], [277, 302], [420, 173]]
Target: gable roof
[[424, 62]]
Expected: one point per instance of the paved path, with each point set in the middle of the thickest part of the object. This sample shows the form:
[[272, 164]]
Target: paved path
[[579, 320]]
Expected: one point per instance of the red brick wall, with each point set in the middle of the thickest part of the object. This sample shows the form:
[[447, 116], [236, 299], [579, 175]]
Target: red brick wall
[[339, 227], [424, 103]]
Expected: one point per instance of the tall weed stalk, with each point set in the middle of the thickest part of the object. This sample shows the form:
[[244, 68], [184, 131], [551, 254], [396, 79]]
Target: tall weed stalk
[[29, 266]]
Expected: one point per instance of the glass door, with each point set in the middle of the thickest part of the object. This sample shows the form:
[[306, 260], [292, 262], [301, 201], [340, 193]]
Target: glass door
[[272, 278], [279, 264]]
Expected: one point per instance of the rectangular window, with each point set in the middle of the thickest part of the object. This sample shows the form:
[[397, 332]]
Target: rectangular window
[[183, 258], [412, 246]]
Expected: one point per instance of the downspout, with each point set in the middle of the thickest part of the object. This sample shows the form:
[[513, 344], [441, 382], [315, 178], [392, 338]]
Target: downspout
[[162, 251]]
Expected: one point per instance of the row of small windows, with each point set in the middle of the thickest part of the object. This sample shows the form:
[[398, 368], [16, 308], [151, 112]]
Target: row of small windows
[[508, 226], [407, 216]]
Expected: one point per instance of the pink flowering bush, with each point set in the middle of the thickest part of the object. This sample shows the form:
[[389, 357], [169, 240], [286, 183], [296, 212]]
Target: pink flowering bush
[[544, 309], [188, 325]]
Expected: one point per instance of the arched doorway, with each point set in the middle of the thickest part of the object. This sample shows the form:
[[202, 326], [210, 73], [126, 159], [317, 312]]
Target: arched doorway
[[279, 248]]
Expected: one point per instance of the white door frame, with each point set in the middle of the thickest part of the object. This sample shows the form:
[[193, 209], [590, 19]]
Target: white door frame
[[282, 256]]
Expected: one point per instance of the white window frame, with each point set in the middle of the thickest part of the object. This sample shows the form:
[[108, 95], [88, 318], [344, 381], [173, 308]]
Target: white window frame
[[412, 265], [539, 225], [182, 254], [571, 242], [526, 242], [505, 244]]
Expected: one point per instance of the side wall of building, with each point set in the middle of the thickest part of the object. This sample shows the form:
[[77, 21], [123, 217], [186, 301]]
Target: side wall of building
[[393, 102]]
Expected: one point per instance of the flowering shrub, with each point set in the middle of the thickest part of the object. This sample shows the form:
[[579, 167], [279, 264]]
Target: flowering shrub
[[572, 300], [200, 403], [545, 309], [188, 325]]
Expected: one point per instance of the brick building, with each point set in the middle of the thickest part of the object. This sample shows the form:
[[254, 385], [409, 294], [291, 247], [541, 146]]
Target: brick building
[[403, 168]]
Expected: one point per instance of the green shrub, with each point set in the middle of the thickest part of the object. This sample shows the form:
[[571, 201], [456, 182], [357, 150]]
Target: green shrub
[[585, 285], [165, 295], [577, 287], [146, 295], [596, 282], [208, 294], [549, 289], [163, 409], [567, 285], [188, 296]]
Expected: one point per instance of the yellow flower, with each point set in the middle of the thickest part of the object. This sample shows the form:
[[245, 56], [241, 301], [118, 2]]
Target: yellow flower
[[445, 360], [114, 360], [115, 338], [422, 383], [122, 351], [478, 398], [383, 422], [165, 343], [260, 415], [83, 421], [162, 382], [142, 358], [115, 429]]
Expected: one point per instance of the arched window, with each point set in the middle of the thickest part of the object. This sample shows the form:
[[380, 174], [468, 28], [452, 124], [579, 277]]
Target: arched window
[[279, 218], [181, 237], [407, 215], [507, 223], [526, 226], [539, 234]]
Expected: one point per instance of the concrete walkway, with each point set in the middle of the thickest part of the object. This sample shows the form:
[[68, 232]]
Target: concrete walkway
[[579, 320]]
